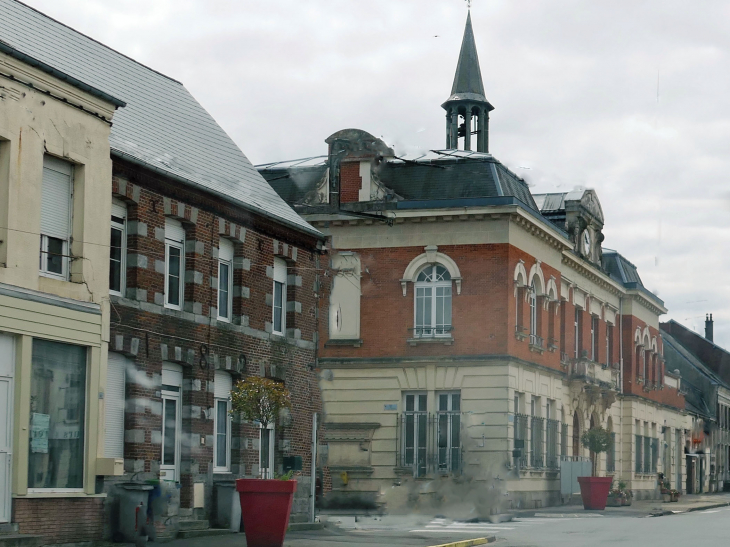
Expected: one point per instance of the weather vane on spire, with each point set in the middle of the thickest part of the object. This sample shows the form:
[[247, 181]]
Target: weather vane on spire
[[468, 4]]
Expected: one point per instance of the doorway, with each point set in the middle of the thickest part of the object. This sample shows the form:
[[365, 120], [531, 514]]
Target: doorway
[[7, 366], [691, 474], [171, 421]]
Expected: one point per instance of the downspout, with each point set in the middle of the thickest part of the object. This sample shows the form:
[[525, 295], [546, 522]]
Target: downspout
[[621, 375]]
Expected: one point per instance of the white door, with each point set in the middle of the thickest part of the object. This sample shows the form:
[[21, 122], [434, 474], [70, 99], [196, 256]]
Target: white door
[[171, 421], [7, 365]]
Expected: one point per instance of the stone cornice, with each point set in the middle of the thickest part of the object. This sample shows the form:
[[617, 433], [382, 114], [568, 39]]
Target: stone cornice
[[35, 78]]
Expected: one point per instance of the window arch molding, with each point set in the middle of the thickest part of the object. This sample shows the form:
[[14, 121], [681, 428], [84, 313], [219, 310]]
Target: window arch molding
[[538, 278], [430, 257]]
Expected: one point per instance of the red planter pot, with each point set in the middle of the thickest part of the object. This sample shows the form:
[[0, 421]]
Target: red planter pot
[[594, 491], [265, 508]]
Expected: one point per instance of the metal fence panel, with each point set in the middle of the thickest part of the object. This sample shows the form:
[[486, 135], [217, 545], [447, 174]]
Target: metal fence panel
[[572, 467]]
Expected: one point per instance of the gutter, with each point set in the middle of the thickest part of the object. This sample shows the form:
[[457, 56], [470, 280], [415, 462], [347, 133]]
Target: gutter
[[27, 59], [141, 163]]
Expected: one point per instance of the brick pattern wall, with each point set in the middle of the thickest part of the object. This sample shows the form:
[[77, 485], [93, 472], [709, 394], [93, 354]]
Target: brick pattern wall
[[60, 520], [350, 181], [484, 315], [148, 333]]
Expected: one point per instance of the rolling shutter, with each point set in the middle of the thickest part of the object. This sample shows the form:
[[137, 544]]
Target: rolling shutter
[[174, 230], [114, 397], [223, 384], [225, 250], [56, 198]]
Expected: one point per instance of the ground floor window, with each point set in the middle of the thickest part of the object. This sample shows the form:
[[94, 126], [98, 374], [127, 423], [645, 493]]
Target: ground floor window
[[57, 416], [449, 432], [266, 452], [415, 433]]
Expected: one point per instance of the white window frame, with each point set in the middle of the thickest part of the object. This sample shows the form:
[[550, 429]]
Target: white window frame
[[172, 372], [533, 314], [225, 259], [447, 464], [66, 168], [419, 466], [171, 243], [222, 395], [270, 430], [576, 330], [419, 331], [119, 210], [594, 337], [280, 278], [226, 468]]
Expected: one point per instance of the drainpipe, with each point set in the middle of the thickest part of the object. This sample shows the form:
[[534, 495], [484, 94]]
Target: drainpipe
[[621, 377]]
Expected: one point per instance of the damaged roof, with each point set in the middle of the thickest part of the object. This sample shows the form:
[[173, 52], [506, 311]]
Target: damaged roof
[[437, 175], [162, 126]]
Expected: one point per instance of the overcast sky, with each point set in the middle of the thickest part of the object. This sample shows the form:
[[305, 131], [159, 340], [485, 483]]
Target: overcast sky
[[628, 97]]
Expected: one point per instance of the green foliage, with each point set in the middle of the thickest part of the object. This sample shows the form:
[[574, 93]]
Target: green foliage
[[259, 399], [596, 440], [286, 476]]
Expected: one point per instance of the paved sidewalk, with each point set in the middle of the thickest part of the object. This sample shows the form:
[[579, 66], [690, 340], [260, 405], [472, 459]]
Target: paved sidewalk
[[638, 508]]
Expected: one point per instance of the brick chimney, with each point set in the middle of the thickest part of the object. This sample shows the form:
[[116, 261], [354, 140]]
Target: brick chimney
[[709, 327]]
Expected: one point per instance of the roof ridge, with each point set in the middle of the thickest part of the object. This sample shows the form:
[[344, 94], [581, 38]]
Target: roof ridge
[[98, 42]]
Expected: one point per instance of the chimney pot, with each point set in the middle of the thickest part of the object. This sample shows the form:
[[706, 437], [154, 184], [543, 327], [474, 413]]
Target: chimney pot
[[709, 327]]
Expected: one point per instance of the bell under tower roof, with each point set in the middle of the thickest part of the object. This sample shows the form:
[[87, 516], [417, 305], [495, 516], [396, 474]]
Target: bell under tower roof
[[468, 85]]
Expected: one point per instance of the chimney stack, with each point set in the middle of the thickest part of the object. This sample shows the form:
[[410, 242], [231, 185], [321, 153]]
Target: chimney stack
[[709, 327]]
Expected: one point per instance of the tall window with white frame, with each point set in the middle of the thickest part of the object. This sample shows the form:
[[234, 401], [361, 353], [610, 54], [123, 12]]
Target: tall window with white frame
[[56, 211], [594, 338], [609, 339], [577, 332], [118, 249], [174, 264], [266, 452], [279, 301], [533, 315], [449, 432], [222, 426], [225, 279], [433, 302], [415, 432]]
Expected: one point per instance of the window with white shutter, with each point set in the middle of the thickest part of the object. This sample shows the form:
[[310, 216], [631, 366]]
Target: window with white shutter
[[222, 443], [174, 264], [114, 405], [56, 199]]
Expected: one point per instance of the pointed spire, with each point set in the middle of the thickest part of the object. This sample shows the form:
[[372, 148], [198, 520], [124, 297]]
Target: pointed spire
[[468, 78]]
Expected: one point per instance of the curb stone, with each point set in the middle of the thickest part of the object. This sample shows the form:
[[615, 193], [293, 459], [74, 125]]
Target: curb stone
[[468, 542]]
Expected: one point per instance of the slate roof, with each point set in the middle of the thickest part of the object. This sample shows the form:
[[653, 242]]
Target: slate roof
[[162, 126], [468, 84], [439, 175], [621, 269], [696, 376]]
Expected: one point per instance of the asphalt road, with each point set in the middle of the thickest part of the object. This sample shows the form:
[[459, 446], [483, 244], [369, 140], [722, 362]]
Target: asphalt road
[[707, 528]]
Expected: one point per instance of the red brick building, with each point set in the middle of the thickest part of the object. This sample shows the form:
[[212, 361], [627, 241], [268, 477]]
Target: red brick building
[[475, 329], [212, 277]]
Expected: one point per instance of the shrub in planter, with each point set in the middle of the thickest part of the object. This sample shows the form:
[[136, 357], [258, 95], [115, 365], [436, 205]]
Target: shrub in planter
[[593, 489], [265, 503]]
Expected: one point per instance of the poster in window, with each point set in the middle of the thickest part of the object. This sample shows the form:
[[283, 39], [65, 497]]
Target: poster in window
[[39, 426]]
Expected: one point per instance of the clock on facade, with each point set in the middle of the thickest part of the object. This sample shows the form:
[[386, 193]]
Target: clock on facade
[[586, 242]]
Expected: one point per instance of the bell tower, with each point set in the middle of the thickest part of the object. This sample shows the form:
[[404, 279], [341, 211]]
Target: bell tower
[[467, 109]]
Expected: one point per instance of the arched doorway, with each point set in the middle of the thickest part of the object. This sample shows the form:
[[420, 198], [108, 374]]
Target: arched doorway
[[576, 434]]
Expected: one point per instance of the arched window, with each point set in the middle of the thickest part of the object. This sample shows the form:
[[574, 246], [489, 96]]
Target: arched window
[[433, 302], [533, 314]]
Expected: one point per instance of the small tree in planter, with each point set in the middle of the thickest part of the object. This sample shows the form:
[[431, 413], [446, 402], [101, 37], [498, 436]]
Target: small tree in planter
[[594, 489], [265, 503]]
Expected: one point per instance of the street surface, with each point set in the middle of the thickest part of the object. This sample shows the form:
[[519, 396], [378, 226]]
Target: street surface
[[699, 520]]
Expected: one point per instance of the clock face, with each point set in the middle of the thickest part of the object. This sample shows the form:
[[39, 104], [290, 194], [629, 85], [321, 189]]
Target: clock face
[[586, 242]]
